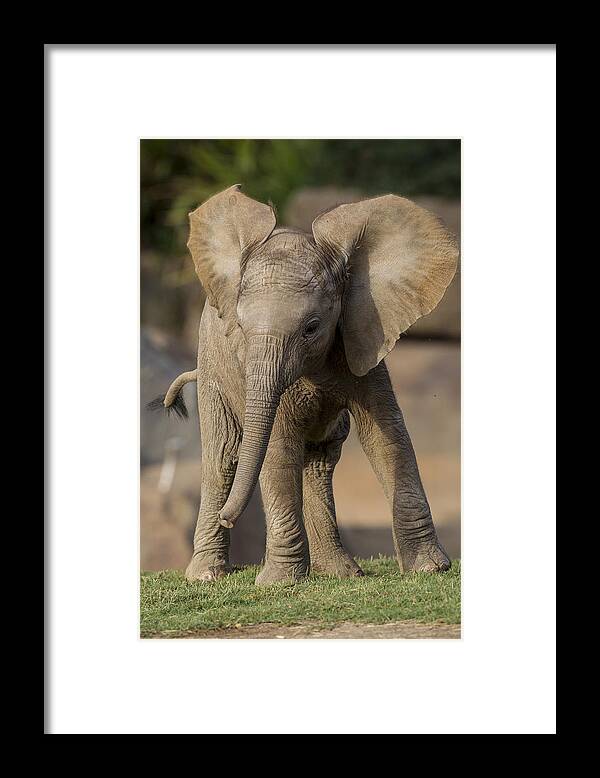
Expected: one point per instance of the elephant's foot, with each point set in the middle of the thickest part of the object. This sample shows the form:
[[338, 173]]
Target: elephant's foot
[[425, 557], [204, 568], [337, 563], [282, 572]]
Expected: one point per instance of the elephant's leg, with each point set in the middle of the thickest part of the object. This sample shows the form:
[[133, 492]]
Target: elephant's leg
[[387, 444], [286, 557], [221, 436], [327, 554]]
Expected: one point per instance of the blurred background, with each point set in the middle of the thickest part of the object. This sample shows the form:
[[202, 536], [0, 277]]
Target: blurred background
[[301, 178]]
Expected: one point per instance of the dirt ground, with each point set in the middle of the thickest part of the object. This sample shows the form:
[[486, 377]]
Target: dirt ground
[[345, 630]]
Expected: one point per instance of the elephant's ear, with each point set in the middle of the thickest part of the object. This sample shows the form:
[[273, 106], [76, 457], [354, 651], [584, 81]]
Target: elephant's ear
[[223, 232], [400, 260]]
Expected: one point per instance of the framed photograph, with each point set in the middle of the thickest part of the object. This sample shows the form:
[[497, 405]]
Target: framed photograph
[[341, 295], [314, 417]]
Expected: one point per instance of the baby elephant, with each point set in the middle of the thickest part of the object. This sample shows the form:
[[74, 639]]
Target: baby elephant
[[291, 341]]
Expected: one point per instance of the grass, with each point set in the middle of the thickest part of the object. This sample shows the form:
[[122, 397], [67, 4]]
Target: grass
[[169, 604]]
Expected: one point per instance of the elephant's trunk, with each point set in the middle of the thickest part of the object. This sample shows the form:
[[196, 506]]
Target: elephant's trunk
[[264, 386]]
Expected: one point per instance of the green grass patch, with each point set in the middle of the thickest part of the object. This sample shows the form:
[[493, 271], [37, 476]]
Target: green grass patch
[[170, 604]]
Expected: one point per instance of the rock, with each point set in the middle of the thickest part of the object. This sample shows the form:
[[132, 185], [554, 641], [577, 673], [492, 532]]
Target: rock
[[168, 520], [161, 360], [305, 204]]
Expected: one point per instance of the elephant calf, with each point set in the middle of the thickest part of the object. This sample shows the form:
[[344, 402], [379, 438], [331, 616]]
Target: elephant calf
[[291, 341]]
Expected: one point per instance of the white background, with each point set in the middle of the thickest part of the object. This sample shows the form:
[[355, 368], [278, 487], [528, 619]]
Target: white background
[[500, 677]]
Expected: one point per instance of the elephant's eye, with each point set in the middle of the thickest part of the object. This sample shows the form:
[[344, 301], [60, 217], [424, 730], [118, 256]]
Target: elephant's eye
[[311, 328]]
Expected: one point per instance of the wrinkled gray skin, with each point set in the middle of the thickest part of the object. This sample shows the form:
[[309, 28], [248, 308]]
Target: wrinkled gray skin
[[291, 341]]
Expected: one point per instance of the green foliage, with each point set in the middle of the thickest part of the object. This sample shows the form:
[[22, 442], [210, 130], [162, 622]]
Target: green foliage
[[170, 603], [177, 175], [406, 167]]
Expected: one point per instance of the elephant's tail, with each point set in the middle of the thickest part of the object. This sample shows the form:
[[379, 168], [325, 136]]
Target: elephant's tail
[[173, 401]]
